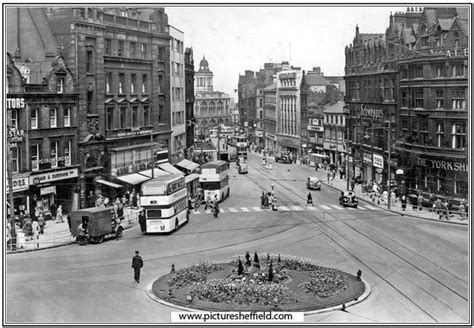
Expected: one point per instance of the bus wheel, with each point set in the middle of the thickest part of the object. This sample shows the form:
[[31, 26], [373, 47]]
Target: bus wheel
[[98, 239], [119, 232]]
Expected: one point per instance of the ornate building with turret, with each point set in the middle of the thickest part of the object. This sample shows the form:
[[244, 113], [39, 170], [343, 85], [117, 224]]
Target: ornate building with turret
[[211, 108]]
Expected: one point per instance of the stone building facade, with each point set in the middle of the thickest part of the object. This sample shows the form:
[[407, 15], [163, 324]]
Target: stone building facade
[[409, 86], [189, 96]]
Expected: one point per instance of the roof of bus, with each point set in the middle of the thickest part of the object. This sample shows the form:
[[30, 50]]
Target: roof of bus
[[164, 178], [213, 164]]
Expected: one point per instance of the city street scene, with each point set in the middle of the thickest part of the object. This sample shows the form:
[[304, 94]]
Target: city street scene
[[237, 165]]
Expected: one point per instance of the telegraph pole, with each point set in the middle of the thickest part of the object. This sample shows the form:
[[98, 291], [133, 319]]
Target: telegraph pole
[[389, 176], [152, 155]]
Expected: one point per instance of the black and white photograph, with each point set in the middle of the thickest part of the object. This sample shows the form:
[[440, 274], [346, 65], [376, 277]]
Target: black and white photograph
[[236, 163]]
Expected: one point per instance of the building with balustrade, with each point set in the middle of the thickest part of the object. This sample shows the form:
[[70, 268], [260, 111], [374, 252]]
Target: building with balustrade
[[407, 98], [211, 108], [189, 96]]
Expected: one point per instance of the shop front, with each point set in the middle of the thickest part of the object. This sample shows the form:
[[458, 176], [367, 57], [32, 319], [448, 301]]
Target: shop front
[[56, 187], [21, 185], [289, 144]]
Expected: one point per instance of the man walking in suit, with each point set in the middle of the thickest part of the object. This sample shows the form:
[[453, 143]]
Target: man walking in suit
[[137, 264]]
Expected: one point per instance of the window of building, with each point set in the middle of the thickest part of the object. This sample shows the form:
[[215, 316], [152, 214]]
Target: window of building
[[60, 84], [67, 116], [53, 117], [90, 103], [108, 47], [160, 83], [34, 119], [160, 113], [109, 121], [439, 99], [458, 70], [133, 49], [133, 83], [15, 160], [14, 118], [458, 99], [120, 48], [67, 152], [458, 135], [418, 98], [121, 83], [423, 132], [35, 156], [404, 97], [89, 68], [134, 116], [161, 53], [439, 70], [143, 50], [53, 153], [439, 134], [108, 82], [123, 117], [146, 115], [144, 83]]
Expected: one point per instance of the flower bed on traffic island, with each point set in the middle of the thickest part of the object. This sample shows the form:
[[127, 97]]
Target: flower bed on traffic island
[[258, 283]]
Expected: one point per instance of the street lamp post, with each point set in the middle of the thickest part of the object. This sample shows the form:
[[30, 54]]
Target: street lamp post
[[388, 168]]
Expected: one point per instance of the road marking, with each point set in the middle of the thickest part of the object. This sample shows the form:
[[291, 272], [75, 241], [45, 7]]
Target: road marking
[[312, 208], [245, 209], [361, 208], [370, 207], [257, 209], [233, 210], [296, 208], [221, 210], [283, 208], [325, 207], [337, 207]]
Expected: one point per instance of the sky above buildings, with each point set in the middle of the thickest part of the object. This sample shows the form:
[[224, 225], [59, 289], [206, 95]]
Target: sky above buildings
[[238, 38]]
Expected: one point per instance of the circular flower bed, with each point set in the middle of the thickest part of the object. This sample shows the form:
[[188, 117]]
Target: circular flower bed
[[256, 283]]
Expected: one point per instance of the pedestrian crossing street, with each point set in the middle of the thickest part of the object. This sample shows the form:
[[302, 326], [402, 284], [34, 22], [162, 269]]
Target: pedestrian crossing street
[[282, 208]]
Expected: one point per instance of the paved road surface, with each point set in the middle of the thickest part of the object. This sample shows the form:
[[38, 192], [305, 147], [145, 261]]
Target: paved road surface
[[418, 269]]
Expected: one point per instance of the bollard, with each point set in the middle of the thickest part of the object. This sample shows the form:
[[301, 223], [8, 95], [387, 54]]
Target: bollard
[[37, 237]]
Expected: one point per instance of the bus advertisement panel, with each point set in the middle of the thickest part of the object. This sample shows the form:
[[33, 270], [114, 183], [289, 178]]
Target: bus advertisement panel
[[165, 201], [214, 180]]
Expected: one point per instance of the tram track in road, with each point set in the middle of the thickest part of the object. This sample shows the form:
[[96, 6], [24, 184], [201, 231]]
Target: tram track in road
[[319, 224]]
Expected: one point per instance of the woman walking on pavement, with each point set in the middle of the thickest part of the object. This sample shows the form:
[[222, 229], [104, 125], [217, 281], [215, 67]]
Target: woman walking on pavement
[[41, 224], [310, 200], [59, 214]]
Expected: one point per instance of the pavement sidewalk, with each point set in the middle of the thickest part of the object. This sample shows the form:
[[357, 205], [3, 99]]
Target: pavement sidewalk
[[58, 234], [395, 206]]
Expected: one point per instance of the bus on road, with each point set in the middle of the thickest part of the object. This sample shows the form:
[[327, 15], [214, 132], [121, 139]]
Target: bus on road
[[237, 146], [165, 201], [214, 180]]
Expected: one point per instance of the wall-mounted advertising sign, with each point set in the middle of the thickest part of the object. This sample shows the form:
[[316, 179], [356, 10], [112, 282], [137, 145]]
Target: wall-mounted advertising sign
[[378, 161]]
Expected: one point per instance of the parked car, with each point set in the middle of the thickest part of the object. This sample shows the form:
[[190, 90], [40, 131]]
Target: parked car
[[282, 158], [348, 198], [243, 168], [313, 183]]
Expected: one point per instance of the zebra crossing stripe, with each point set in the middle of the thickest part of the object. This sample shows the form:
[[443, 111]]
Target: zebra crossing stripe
[[370, 207], [337, 207], [283, 208], [233, 210], [361, 208], [245, 209], [221, 210], [325, 207], [296, 208], [312, 208], [257, 209]]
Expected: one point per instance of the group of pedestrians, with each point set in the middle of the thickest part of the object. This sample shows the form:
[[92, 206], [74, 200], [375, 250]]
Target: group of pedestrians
[[213, 204], [268, 199]]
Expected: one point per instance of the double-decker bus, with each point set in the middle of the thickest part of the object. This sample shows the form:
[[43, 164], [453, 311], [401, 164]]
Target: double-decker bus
[[214, 180], [165, 201], [237, 147]]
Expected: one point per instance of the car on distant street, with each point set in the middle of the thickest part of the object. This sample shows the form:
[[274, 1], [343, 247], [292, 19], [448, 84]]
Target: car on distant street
[[313, 183], [283, 158], [243, 168], [348, 198]]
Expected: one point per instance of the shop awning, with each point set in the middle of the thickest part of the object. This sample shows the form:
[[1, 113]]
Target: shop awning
[[188, 165], [157, 172], [170, 168], [108, 183], [191, 177], [134, 178]]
